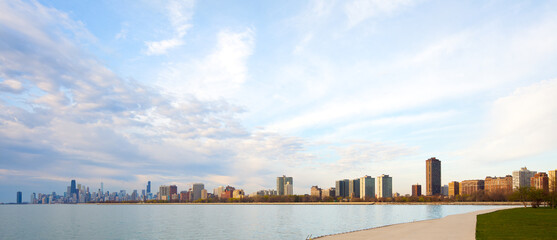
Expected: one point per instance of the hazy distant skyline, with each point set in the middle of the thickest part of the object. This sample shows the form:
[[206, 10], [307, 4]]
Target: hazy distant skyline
[[241, 92]]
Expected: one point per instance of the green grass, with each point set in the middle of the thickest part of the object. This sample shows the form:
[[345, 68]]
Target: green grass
[[518, 223]]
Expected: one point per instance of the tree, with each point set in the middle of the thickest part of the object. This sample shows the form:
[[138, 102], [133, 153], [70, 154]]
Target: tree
[[521, 194]]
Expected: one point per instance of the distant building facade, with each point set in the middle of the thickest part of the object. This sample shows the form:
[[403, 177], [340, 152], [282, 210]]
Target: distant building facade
[[328, 193], [445, 190], [316, 191], [196, 190], [522, 178], [281, 185], [468, 187], [454, 188], [552, 180], [502, 185], [540, 181], [416, 190], [354, 188], [384, 186], [342, 187], [433, 176], [367, 187], [228, 192], [19, 198]]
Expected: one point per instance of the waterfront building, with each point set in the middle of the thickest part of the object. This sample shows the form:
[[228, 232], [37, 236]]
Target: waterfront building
[[218, 191], [552, 180], [197, 187], [502, 185], [445, 190], [228, 192], [204, 194], [238, 193], [384, 186], [328, 193], [454, 188], [342, 188], [281, 184], [367, 187], [185, 196], [148, 187], [315, 191], [19, 198], [540, 181], [269, 192], [164, 192], [433, 176], [522, 178], [468, 187], [288, 189], [416, 190], [354, 188]]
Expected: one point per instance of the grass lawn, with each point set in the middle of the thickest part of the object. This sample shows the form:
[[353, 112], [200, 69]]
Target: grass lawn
[[518, 223]]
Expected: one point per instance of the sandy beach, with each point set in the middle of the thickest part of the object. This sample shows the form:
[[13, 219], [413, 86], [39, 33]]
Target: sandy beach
[[459, 226]]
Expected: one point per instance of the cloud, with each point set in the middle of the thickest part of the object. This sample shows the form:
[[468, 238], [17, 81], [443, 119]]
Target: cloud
[[220, 74], [179, 14], [520, 125], [10, 85], [360, 10]]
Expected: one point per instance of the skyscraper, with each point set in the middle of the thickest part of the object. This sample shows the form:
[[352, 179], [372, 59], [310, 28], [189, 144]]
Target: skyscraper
[[342, 187], [522, 177], [281, 184], [416, 190], [384, 186], [552, 180], [19, 197], [454, 188], [367, 187], [148, 187], [197, 187], [540, 181], [73, 187], [433, 176], [354, 188]]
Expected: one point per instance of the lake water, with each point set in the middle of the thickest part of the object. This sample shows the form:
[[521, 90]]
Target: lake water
[[206, 221]]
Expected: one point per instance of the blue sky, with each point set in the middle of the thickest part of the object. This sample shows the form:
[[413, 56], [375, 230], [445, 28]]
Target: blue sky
[[239, 92]]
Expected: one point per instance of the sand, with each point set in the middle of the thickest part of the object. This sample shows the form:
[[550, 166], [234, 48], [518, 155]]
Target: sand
[[459, 226]]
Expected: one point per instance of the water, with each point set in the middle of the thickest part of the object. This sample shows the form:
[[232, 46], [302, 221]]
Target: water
[[206, 221]]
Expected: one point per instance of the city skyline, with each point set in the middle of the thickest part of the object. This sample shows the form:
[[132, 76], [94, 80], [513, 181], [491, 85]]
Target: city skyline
[[242, 92]]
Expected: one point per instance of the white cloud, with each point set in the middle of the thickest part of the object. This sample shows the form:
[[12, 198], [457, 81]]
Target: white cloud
[[220, 74], [521, 125], [10, 85], [179, 14], [358, 11]]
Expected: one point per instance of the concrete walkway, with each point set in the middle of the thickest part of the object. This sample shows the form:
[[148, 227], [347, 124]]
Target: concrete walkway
[[459, 226]]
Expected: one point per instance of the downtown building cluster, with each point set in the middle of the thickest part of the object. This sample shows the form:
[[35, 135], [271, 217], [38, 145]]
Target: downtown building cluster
[[365, 188]]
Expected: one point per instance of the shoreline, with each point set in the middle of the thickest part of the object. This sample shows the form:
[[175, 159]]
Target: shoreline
[[324, 203], [456, 226]]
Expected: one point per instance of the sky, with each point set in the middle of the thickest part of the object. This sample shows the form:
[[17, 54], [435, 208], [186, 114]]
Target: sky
[[241, 92]]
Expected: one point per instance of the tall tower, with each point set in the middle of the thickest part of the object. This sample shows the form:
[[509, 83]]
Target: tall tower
[[148, 187], [281, 183], [433, 176], [19, 198], [384, 186]]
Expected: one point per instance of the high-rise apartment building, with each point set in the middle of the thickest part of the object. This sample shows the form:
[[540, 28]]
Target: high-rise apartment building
[[19, 198], [540, 181], [148, 187], [522, 177], [218, 191], [433, 176], [384, 186], [328, 193], [196, 190], [416, 190], [342, 187], [281, 184], [552, 180], [315, 191], [204, 194], [354, 188], [468, 187], [502, 185], [164, 193], [454, 188], [367, 187]]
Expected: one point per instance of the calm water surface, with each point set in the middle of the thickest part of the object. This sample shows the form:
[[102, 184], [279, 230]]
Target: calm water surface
[[206, 221]]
